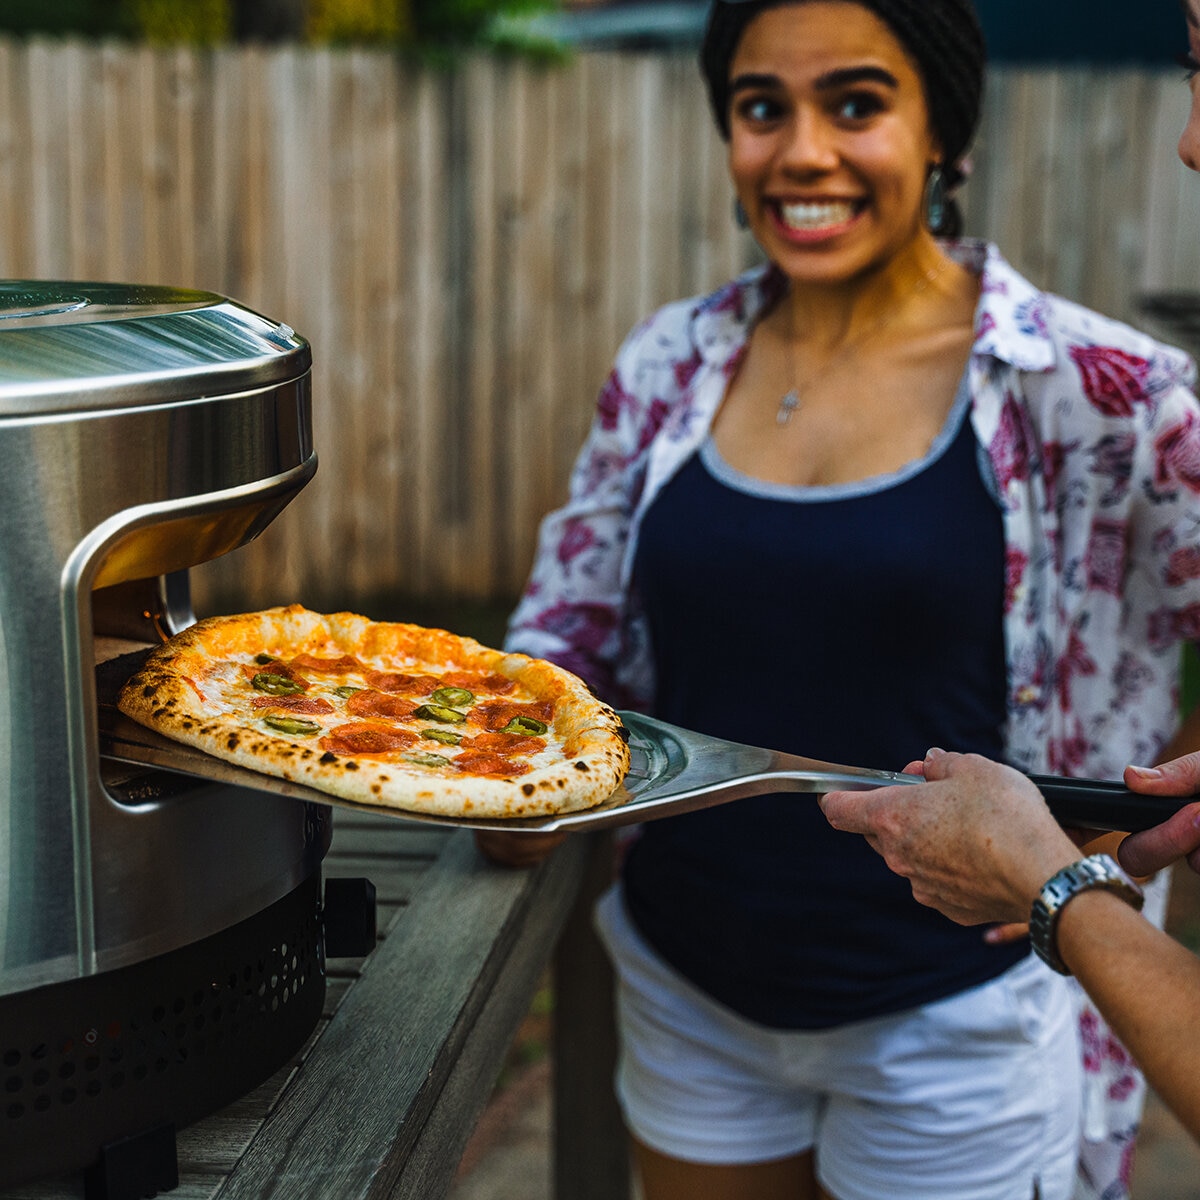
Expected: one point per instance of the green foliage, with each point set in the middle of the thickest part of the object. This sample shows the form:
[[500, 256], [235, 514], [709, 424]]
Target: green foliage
[[94, 18], [1190, 688], [196, 22], [358, 21], [159, 21], [434, 28], [443, 26], [446, 22]]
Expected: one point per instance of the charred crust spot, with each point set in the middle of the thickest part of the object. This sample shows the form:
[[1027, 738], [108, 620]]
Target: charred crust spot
[[528, 789], [352, 766], [376, 789], [231, 741], [148, 691], [328, 757], [623, 734], [581, 766]]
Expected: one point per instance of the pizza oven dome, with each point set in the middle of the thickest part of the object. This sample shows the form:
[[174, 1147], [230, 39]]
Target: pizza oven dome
[[142, 430]]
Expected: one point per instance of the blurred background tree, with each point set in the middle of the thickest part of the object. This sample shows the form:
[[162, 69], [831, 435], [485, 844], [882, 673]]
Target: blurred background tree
[[198, 22], [434, 27], [93, 18], [358, 21]]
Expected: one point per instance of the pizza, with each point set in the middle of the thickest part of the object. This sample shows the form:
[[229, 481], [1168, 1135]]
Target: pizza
[[386, 714]]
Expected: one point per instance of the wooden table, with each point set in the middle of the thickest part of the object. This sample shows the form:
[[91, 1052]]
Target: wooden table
[[384, 1096]]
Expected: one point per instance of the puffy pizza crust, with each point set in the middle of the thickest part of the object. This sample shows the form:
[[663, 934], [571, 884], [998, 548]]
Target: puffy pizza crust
[[165, 695]]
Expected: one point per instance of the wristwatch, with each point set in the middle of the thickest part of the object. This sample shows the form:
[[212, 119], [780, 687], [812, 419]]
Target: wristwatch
[[1095, 871]]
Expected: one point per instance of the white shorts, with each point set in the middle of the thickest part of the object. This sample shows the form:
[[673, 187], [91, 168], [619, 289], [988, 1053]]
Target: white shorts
[[975, 1097]]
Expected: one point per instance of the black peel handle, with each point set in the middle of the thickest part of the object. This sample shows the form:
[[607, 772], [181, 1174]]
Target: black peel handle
[[1101, 804]]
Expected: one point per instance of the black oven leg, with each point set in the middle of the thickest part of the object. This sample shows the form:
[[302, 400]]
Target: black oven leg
[[349, 916], [134, 1167]]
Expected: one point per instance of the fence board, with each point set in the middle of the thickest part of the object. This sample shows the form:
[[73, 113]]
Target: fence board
[[466, 249]]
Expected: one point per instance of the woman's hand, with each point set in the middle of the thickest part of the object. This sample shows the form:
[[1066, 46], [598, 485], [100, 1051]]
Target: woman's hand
[[518, 850], [1179, 836], [976, 839]]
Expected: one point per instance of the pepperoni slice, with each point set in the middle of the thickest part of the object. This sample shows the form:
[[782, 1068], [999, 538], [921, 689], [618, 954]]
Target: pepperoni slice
[[499, 683], [477, 681], [296, 704], [495, 714], [369, 703], [471, 680], [481, 762], [400, 684], [505, 743], [364, 737], [344, 665]]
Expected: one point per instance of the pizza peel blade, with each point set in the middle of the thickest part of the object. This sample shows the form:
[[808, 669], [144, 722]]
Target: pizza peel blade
[[675, 770], [672, 770]]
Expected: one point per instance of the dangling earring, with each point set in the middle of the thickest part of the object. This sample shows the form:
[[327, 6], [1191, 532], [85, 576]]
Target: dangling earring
[[740, 219], [935, 200]]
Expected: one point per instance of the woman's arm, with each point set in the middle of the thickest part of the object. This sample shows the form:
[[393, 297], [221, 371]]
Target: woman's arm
[[1146, 986], [977, 842], [573, 610]]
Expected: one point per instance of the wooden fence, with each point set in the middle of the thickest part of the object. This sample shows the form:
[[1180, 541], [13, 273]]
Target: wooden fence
[[466, 249]]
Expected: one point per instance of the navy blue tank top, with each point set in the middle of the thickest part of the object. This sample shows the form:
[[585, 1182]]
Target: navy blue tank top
[[858, 624]]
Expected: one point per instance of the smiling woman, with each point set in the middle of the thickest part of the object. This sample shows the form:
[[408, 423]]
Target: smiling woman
[[882, 456]]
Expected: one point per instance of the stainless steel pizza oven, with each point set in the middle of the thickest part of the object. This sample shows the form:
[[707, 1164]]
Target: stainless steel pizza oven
[[160, 937]]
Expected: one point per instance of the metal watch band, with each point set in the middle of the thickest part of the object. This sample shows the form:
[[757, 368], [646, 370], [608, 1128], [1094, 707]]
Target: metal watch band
[[1095, 871]]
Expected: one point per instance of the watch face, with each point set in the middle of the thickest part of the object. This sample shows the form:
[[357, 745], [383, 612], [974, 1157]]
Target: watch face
[[1095, 871]]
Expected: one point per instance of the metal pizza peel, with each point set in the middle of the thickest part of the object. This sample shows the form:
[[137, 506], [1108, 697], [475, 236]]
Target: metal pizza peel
[[672, 771]]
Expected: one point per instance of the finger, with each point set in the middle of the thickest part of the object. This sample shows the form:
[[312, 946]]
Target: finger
[[1178, 777], [1002, 935], [851, 812], [516, 850], [1151, 850], [939, 764]]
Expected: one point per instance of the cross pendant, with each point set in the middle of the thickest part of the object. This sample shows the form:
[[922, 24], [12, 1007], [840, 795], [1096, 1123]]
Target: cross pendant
[[787, 406]]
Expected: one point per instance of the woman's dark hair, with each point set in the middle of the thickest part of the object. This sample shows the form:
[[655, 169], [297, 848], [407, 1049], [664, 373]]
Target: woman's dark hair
[[943, 38]]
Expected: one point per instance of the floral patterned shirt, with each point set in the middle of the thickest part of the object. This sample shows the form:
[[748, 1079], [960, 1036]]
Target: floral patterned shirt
[[1093, 433]]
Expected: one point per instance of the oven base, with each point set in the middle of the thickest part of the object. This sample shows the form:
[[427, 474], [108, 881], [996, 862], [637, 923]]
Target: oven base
[[89, 1062]]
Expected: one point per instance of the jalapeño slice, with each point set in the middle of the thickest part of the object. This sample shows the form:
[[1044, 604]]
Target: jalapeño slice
[[440, 712], [296, 726], [426, 760], [528, 726], [275, 685]]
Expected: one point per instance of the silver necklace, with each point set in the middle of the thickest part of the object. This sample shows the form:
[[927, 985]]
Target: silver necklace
[[790, 400]]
